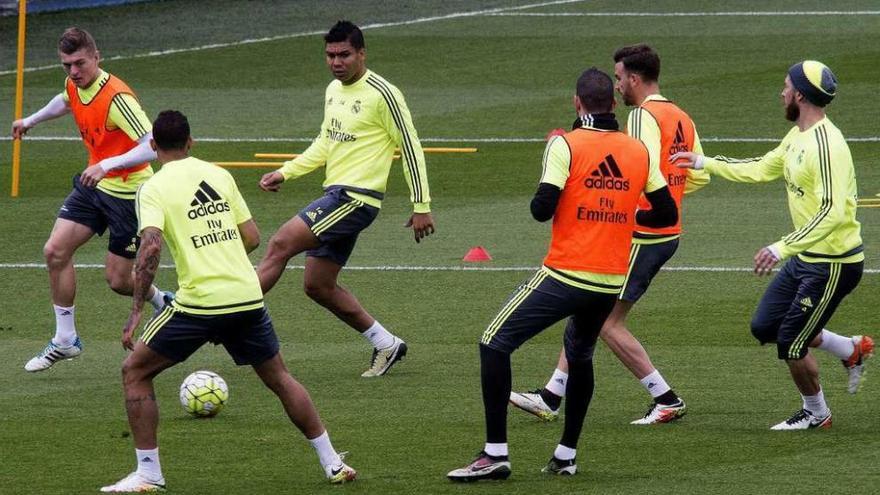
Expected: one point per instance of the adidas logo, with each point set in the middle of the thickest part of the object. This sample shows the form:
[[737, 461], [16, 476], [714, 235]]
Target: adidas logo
[[806, 302], [559, 381], [679, 144], [607, 176], [147, 459], [131, 248], [312, 215], [651, 385], [206, 202]]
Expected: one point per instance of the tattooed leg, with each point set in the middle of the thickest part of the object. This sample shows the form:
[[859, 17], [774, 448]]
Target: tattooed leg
[[138, 372]]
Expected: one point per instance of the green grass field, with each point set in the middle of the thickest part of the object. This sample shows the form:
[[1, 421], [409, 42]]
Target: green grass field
[[468, 79]]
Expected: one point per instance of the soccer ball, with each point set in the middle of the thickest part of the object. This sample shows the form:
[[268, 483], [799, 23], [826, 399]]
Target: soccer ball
[[203, 394]]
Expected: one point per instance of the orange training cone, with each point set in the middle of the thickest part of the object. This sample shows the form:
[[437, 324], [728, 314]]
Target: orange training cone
[[478, 253]]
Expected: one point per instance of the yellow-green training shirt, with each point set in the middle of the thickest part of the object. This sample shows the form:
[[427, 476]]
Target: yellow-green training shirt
[[363, 123], [198, 208], [126, 114], [820, 180]]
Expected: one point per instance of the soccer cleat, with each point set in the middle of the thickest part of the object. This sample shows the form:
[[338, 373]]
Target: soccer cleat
[[855, 365], [384, 359], [804, 420], [53, 353], [135, 483], [662, 413], [533, 403], [560, 467], [342, 473], [484, 467]]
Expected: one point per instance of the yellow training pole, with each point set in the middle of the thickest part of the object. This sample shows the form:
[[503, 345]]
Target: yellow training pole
[[19, 95]]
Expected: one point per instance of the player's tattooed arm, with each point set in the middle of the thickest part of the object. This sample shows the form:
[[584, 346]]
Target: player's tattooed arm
[[145, 268]]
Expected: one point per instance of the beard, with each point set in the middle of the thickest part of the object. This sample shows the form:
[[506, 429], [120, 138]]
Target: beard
[[792, 112]]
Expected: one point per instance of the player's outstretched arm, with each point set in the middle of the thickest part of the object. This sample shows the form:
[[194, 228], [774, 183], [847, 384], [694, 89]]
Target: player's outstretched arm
[[145, 268], [54, 109], [422, 225]]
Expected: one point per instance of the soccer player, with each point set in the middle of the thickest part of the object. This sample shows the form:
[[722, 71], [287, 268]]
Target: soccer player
[[592, 180], [196, 209], [824, 252], [665, 129], [365, 117], [116, 133]]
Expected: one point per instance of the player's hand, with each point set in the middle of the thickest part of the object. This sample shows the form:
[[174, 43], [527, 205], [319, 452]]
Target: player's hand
[[422, 225], [19, 129], [687, 159], [555, 132], [92, 175], [272, 181], [134, 319], [765, 260]]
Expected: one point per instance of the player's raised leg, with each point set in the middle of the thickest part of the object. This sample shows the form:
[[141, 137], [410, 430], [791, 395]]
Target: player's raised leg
[[853, 352], [292, 238], [321, 285], [66, 237], [299, 407]]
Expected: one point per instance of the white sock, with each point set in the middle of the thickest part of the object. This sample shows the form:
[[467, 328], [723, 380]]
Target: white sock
[[557, 383], [65, 329], [496, 449], [327, 456], [378, 336], [564, 453], [655, 384], [816, 404], [840, 346], [158, 298], [148, 464]]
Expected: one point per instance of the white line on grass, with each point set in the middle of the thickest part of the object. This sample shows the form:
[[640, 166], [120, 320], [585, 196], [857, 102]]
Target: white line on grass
[[376, 25], [866, 139], [406, 268], [688, 14]]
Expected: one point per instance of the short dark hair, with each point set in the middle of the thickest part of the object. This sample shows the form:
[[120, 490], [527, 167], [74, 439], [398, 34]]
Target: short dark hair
[[641, 59], [171, 130], [345, 31], [74, 38], [595, 90]]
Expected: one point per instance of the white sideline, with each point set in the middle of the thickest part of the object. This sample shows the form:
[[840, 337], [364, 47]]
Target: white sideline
[[755, 13], [375, 25], [864, 139], [406, 268]]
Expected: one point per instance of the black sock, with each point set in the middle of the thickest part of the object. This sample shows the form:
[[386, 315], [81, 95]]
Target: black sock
[[551, 399], [578, 393], [495, 378], [667, 399]]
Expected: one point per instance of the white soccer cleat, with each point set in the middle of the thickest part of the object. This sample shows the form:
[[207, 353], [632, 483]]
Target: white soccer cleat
[[384, 359], [341, 473], [804, 420], [855, 365], [53, 353], [533, 403], [135, 483], [662, 413]]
